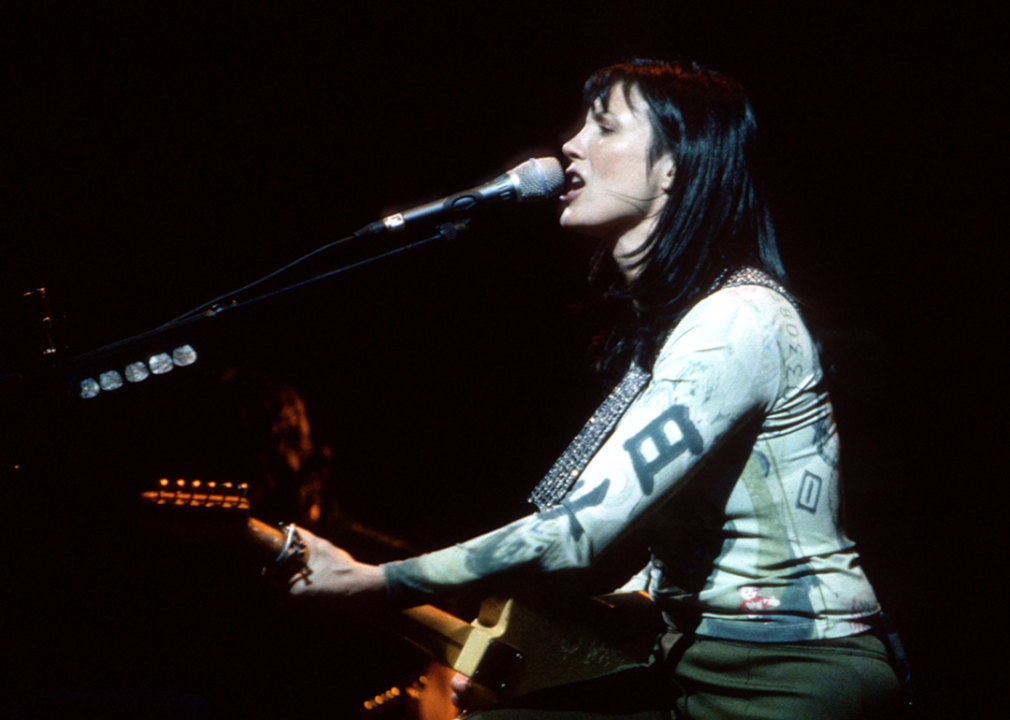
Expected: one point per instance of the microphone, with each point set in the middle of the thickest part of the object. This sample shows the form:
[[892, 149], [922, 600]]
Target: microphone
[[535, 179]]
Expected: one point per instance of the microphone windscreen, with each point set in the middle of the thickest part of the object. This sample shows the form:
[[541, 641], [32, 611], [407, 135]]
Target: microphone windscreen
[[539, 178]]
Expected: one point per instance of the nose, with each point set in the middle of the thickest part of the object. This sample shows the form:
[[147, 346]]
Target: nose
[[573, 148]]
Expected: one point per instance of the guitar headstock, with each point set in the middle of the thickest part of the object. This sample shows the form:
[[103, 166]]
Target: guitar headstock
[[195, 507], [226, 497]]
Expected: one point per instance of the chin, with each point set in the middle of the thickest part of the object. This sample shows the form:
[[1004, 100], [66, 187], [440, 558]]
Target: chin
[[570, 221]]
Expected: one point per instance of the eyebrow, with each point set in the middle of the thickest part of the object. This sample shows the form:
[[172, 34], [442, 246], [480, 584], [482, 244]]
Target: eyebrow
[[600, 113]]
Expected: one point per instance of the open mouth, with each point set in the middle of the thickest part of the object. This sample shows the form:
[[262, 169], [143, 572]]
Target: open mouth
[[573, 184]]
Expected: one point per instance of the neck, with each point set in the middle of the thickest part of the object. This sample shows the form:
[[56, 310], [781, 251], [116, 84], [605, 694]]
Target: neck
[[630, 248]]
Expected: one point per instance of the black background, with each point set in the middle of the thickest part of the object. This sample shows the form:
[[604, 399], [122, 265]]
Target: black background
[[156, 156]]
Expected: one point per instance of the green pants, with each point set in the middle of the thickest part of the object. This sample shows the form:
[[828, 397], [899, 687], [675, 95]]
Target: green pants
[[708, 679]]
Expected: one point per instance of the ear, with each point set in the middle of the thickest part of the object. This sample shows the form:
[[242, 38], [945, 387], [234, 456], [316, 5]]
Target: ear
[[668, 171]]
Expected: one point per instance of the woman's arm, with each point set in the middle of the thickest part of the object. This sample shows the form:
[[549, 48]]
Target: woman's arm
[[720, 368], [332, 572]]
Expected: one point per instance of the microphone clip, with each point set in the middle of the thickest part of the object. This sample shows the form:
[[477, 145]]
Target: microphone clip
[[451, 230]]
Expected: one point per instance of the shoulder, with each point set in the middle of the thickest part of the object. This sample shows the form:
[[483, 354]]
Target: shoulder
[[737, 332], [724, 357], [740, 315], [758, 303]]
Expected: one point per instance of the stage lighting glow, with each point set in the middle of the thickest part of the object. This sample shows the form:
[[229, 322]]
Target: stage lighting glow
[[135, 372], [184, 355], [111, 380], [90, 388], [161, 363]]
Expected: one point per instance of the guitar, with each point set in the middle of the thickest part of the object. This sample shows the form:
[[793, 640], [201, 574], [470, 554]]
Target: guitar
[[511, 648]]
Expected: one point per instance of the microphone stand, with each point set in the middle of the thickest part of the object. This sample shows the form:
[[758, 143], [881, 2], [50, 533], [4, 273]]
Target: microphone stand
[[447, 231]]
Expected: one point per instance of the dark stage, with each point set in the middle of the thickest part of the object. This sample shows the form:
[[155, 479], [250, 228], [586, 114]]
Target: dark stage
[[157, 156]]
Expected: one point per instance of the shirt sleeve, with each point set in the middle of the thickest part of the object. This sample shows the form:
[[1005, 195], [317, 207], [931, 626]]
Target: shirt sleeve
[[720, 366]]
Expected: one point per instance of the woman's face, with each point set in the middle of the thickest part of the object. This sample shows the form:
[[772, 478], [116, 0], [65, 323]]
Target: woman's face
[[613, 193]]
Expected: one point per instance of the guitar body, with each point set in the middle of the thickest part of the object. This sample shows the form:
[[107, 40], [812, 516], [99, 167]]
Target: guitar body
[[563, 640]]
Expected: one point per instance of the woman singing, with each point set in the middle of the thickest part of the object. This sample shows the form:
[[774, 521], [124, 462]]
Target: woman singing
[[718, 447]]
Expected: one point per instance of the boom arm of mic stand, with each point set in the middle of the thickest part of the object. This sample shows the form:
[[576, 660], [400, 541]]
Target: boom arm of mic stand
[[447, 231]]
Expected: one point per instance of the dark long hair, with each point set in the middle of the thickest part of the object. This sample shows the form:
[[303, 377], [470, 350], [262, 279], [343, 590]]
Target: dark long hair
[[716, 218]]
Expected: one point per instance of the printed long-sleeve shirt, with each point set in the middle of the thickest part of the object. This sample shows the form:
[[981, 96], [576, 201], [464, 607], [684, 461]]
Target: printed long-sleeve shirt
[[728, 463]]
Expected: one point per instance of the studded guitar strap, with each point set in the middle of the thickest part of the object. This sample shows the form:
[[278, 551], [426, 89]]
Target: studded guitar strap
[[562, 476]]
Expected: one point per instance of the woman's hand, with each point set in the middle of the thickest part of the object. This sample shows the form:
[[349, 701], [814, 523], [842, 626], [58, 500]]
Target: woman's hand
[[332, 572], [468, 696]]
